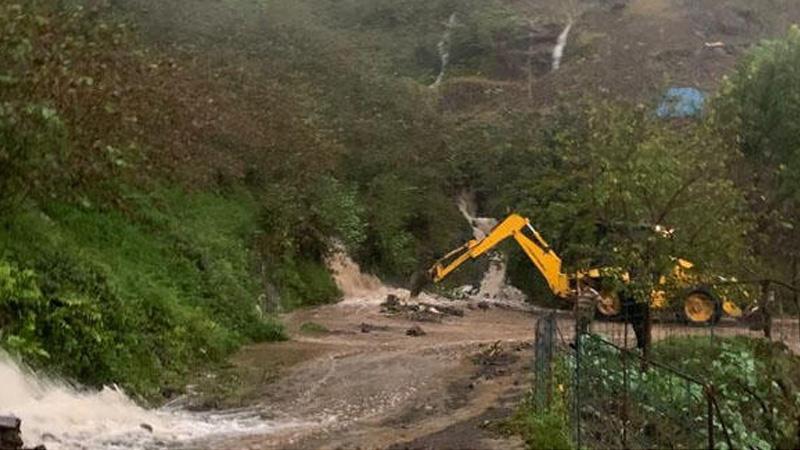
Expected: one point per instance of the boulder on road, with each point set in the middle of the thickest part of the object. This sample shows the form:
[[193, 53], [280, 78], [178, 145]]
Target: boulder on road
[[415, 331]]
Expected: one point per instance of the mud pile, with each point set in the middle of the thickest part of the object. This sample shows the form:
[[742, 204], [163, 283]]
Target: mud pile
[[419, 312]]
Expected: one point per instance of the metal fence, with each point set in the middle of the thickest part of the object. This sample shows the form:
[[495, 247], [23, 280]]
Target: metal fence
[[780, 322], [621, 400], [617, 398]]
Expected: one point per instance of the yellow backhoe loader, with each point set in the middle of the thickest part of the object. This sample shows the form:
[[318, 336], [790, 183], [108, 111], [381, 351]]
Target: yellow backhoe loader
[[699, 305]]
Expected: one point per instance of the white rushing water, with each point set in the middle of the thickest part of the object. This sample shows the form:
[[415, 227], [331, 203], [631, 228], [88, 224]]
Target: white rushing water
[[561, 44], [64, 417], [444, 48], [493, 285], [364, 289], [348, 275]]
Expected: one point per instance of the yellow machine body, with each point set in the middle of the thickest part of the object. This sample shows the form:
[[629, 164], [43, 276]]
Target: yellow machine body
[[698, 305], [532, 243]]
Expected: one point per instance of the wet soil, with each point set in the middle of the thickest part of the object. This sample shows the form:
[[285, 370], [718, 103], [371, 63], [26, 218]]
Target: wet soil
[[350, 389], [354, 389]]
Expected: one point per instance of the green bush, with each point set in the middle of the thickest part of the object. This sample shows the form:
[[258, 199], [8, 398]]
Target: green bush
[[543, 417], [301, 226], [544, 430], [32, 144], [757, 113], [755, 382], [303, 282], [139, 299]]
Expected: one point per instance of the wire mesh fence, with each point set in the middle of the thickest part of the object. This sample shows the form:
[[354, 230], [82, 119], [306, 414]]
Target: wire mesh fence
[[621, 400], [617, 398], [780, 323], [634, 383]]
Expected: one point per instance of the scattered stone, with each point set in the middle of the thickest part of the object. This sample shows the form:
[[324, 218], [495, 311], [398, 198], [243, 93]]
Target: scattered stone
[[483, 305], [419, 312], [415, 331], [425, 315], [11, 435], [392, 304], [494, 361], [368, 327], [444, 309]]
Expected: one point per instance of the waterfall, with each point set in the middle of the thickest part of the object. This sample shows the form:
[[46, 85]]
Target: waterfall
[[348, 276], [493, 284], [558, 50], [444, 48]]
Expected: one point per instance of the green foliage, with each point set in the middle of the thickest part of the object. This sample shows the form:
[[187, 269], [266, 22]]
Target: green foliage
[[543, 430], [393, 205], [303, 282], [755, 383], [339, 211], [542, 419], [135, 301], [300, 227], [20, 299], [759, 96], [302, 218], [596, 183], [757, 111], [32, 143]]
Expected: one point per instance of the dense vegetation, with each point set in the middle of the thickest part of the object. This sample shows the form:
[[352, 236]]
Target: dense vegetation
[[754, 382], [169, 180]]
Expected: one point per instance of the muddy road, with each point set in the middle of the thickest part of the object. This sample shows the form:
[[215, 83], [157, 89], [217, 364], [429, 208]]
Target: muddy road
[[366, 383], [356, 379]]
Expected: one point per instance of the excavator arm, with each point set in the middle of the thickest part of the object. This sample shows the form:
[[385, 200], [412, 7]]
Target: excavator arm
[[531, 242]]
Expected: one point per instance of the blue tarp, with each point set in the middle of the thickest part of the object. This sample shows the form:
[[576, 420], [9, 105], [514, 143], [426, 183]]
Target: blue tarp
[[681, 102]]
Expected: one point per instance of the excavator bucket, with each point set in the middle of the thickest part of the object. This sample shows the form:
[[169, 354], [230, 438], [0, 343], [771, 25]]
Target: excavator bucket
[[419, 280]]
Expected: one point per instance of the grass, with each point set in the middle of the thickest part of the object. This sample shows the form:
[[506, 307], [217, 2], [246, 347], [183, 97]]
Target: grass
[[541, 429], [170, 281], [546, 427], [313, 328]]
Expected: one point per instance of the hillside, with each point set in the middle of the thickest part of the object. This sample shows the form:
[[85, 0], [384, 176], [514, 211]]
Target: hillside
[[175, 173]]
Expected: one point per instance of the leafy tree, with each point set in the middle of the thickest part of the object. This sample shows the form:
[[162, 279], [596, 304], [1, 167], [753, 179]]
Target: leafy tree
[[599, 182], [32, 146], [757, 112]]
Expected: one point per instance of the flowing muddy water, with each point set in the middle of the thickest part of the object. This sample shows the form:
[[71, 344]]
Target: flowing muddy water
[[350, 389], [362, 379], [358, 379], [65, 417], [68, 417]]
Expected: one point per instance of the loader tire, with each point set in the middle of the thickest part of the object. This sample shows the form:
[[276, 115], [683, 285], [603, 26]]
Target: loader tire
[[701, 307]]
